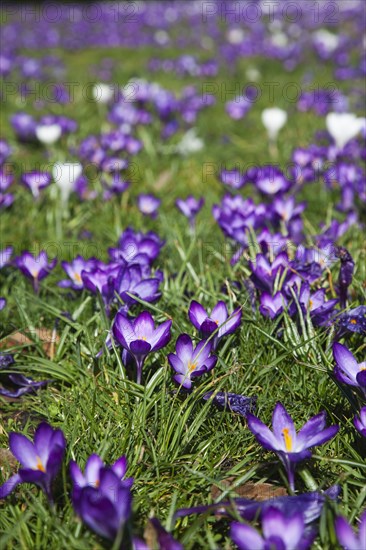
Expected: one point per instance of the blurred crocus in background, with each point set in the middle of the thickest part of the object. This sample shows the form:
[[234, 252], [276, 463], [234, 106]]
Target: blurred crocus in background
[[48, 134], [190, 208], [343, 127], [347, 537], [273, 120], [65, 175], [148, 204], [35, 268], [36, 181]]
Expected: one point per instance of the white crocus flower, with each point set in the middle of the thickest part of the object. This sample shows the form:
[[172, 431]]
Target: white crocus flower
[[48, 133], [102, 93], [273, 120], [190, 143], [65, 174], [343, 127]]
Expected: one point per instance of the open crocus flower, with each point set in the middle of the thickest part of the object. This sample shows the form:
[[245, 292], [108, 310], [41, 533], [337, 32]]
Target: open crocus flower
[[74, 269], [272, 306], [140, 337], [148, 205], [35, 268], [40, 461], [190, 208], [35, 181], [273, 120], [347, 370], [291, 447], [343, 127], [280, 532], [48, 134], [189, 362], [219, 320], [91, 476], [347, 538], [360, 422]]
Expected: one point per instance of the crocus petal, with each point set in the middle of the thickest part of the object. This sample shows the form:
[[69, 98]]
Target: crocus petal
[[262, 433], [9, 485], [144, 325], [76, 474], [161, 335], [183, 380], [176, 363], [314, 425], [23, 450], [275, 524], [184, 348], [219, 313], [120, 466], [92, 468], [345, 534], [232, 323], [323, 436], [345, 360], [140, 347], [197, 314], [246, 537], [283, 427], [123, 330], [98, 512], [42, 439]]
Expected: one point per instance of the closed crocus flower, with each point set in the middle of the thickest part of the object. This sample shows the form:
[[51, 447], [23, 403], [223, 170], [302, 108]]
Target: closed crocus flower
[[189, 362], [148, 205], [273, 120], [40, 461], [219, 320], [102, 93], [347, 369], [291, 447], [347, 537], [140, 337], [35, 268], [48, 134], [65, 175], [280, 532], [343, 127]]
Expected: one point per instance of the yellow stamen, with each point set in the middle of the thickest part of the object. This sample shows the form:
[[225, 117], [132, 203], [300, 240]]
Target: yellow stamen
[[353, 321], [191, 366], [288, 439], [97, 482], [310, 303], [40, 465], [78, 278]]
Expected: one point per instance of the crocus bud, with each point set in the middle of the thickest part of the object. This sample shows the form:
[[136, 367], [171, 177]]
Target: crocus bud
[[65, 174], [48, 133], [273, 120], [102, 93]]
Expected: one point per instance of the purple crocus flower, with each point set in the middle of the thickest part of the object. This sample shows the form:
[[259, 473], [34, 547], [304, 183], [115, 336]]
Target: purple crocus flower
[[5, 256], [2, 303], [347, 538], [40, 460], [219, 320], [91, 476], [239, 404], [280, 532], [35, 268], [106, 507], [271, 180], [35, 181], [272, 306], [360, 422], [5, 180], [190, 208], [353, 320], [347, 370], [140, 337], [264, 273], [291, 447], [6, 200], [74, 269], [148, 204], [232, 178], [189, 362]]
